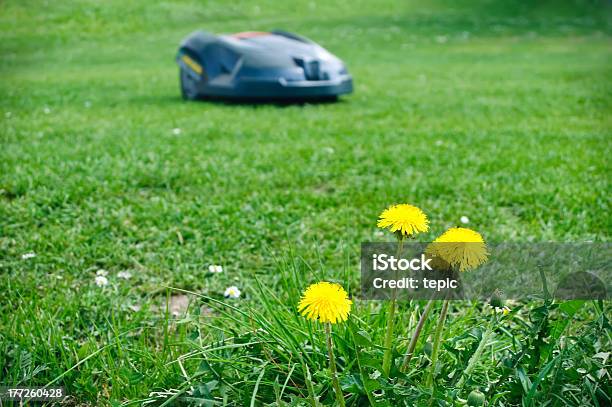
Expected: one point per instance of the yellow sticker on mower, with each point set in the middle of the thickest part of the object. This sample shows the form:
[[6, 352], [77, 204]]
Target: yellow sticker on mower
[[197, 68]]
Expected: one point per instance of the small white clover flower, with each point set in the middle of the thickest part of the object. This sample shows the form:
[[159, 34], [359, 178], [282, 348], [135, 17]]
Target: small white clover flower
[[465, 220], [27, 256], [232, 292], [213, 268], [176, 131], [126, 275], [102, 273], [101, 281], [135, 307], [46, 110]]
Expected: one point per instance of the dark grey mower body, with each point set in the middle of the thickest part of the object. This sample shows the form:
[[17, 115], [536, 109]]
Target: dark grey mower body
[[261, 66]]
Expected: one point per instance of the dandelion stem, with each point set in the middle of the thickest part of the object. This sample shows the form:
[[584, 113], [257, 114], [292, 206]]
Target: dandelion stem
[[436, 344], [388, 344], [476, 356], [332, 366], [415, 336]]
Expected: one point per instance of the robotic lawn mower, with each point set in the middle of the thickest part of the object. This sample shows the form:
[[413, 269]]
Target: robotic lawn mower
[[259, 66]]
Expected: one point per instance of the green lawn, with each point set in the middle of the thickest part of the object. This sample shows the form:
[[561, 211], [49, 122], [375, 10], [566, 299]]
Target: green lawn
[[497, 112]]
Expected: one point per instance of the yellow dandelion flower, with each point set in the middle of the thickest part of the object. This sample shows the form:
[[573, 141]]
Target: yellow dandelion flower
[[460, 247], [325, 302], [407, 220]]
